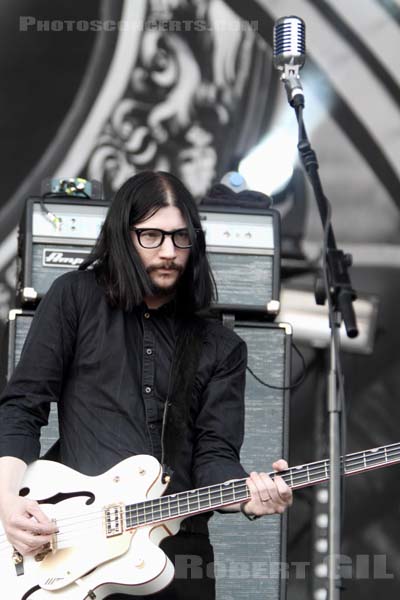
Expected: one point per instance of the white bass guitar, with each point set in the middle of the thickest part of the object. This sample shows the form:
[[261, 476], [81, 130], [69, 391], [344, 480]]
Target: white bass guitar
[[110, 526]]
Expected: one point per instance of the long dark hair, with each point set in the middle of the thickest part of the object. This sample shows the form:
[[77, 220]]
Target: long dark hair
[[114, 258]]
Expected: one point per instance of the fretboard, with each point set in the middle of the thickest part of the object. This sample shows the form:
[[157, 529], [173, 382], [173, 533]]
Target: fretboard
[[220, 495]]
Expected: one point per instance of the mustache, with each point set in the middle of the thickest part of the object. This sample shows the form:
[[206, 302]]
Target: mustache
[[166, 265]]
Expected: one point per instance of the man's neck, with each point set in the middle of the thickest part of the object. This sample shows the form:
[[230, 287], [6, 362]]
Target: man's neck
[[154, 302]]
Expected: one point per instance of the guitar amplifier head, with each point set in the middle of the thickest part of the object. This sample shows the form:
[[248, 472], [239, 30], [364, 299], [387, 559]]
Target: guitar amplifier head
[[55, 235], [243, 248]]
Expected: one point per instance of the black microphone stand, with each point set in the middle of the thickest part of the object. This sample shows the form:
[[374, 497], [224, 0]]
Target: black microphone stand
[[340, 296]]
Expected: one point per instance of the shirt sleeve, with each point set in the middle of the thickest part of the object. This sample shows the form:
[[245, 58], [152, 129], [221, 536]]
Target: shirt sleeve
[[38, 377], [220, 423]]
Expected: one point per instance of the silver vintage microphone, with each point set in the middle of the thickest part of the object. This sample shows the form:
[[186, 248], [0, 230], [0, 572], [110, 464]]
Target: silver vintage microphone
[[290, 55]]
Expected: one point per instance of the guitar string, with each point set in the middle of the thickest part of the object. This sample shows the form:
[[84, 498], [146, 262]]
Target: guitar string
[[299, 477], [149, 518], [142, 519], [295, 475]]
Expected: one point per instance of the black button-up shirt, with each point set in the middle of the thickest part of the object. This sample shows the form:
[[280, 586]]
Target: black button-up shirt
[[109, 372]]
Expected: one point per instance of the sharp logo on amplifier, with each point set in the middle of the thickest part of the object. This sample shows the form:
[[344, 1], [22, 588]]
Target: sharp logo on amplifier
[[70, 259]]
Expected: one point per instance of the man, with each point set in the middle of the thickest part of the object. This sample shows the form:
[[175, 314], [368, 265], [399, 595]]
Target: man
[[104, 345]]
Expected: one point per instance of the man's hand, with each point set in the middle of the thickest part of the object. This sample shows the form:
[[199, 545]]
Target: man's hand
[[27, 528], [268, 496]]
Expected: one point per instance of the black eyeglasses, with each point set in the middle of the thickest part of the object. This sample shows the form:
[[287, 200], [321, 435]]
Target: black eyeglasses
[[153, 238]]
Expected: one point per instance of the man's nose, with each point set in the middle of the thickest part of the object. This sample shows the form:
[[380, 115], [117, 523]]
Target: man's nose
[[167, 248]]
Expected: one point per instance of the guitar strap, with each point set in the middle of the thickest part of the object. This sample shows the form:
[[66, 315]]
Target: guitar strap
[[176, 419]]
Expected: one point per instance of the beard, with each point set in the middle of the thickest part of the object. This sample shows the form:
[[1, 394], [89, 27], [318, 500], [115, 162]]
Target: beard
[[167, 289], [158, 290]]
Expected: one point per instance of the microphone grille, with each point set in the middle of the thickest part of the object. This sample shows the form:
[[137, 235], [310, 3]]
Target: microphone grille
[[289, 42]]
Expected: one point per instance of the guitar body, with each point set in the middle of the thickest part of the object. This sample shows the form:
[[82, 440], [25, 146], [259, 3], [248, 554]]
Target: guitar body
[[93, 552]]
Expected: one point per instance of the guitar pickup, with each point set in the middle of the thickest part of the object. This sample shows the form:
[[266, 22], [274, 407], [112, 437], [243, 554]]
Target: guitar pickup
[[114, 520]]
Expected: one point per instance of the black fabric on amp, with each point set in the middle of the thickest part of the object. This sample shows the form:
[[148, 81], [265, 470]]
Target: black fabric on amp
[[221, 196]]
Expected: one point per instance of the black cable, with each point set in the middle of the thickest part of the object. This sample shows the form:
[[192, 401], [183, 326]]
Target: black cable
[[300, 379], [56, 221]]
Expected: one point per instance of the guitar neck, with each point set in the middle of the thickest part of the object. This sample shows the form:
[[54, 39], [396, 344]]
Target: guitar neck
[[217, 496]]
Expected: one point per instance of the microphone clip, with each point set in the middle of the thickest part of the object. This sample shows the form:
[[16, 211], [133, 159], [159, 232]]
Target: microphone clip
[[294, 90]]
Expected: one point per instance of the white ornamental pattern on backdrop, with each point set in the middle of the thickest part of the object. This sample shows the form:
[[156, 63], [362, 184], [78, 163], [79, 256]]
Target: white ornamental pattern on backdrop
[[181, 97]]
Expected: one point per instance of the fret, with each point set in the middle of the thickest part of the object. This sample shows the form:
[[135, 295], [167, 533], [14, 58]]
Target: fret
[[198, 500], [303, 474], [233, 490], [157, 509], [299, 471], [128, 518], [174, 509], [203, 501], [225, 489], [168, 507], [137, 514], [375, 457], [326, 469], [393, 454], [239, 490], [184, 502], [239, 495], [219, 496], [213, 500], [141, 513], [386, 455], [193, 499], [350, 468]]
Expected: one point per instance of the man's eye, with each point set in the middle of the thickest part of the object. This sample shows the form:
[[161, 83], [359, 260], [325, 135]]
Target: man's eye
[[182, 236]]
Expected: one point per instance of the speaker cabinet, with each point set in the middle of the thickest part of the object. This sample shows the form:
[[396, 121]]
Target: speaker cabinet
[[250, 557], [19, 324]]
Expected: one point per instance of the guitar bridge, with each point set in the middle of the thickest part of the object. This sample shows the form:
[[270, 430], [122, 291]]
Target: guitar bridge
[[114, 520], [43, 553]]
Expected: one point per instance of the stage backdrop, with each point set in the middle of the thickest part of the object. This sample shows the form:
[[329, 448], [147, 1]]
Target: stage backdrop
[[104, 89]]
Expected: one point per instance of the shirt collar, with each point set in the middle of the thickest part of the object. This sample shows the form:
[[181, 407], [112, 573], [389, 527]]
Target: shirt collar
[[168, 309]]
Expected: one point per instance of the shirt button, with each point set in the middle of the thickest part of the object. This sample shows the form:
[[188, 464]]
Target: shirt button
[[149, 351], [152, 427], [146, 315], [147, 389]]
